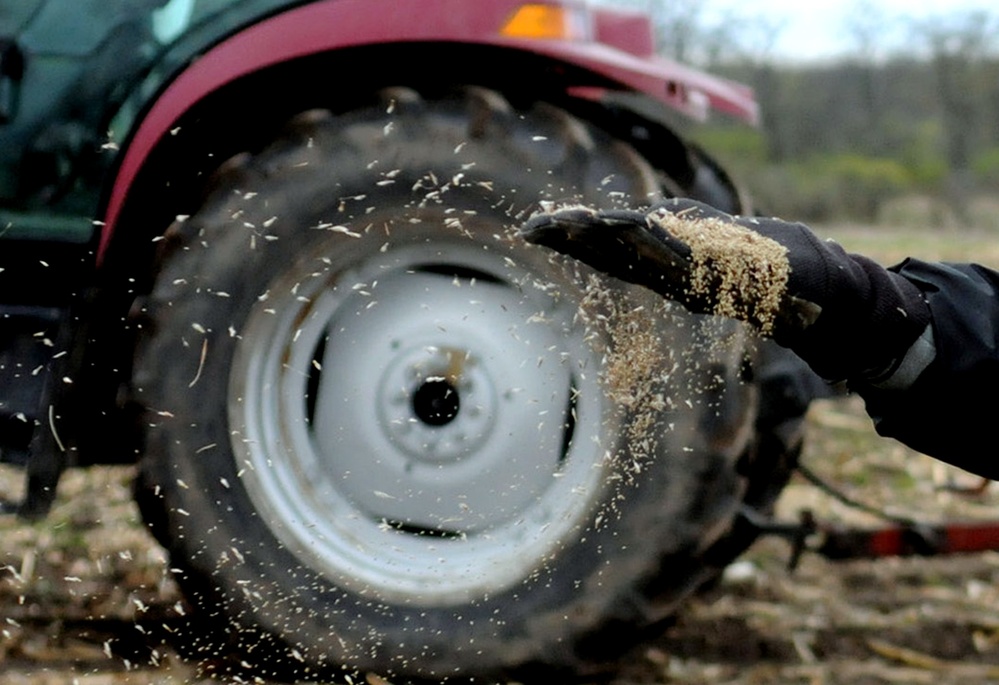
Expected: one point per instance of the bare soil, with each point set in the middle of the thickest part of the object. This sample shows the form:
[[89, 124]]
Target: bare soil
[[87, 597], [912, 620]]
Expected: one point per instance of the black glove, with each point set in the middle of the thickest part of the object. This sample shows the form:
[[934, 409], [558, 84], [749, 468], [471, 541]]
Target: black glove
[[845, 315]]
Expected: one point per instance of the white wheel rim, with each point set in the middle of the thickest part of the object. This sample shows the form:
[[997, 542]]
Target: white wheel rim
[[450, 445]]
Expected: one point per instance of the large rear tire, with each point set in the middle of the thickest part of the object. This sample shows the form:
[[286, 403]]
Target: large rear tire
[[386, 436]]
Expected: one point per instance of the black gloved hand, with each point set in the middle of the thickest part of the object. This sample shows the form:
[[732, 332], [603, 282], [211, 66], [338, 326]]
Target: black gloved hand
[[845, 315]]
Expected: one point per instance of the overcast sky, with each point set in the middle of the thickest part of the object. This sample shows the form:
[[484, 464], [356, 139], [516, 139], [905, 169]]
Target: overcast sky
[[818, 29], [814, 29]]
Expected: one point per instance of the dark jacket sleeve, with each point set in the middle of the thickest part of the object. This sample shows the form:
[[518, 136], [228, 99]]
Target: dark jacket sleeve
[[951, 411]]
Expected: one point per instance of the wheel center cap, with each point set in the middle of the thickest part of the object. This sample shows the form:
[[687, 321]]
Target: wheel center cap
[[437, 403]]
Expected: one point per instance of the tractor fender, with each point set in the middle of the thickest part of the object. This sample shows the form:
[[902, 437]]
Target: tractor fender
[[330, 25]]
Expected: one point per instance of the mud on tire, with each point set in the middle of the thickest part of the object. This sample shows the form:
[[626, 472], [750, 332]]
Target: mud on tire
[[386, 436]]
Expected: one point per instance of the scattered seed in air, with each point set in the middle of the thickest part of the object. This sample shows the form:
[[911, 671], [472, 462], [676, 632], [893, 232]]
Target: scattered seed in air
[[343, 229]]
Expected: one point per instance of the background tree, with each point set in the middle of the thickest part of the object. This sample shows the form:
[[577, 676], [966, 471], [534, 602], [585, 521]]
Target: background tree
[[866, 24], [958, 46], [910, 108]]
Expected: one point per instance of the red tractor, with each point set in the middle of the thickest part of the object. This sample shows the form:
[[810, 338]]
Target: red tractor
[[264, 250]]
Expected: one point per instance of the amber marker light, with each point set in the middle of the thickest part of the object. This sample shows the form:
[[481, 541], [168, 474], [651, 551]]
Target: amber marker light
[[552, 22]]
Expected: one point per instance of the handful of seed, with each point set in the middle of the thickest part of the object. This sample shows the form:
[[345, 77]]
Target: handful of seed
[[738, 272]]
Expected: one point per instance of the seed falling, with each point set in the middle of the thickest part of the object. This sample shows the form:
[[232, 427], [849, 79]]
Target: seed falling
[[635, 366]]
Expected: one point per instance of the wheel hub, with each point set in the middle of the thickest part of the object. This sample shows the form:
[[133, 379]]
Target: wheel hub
[[437, 443], [437, 403]]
